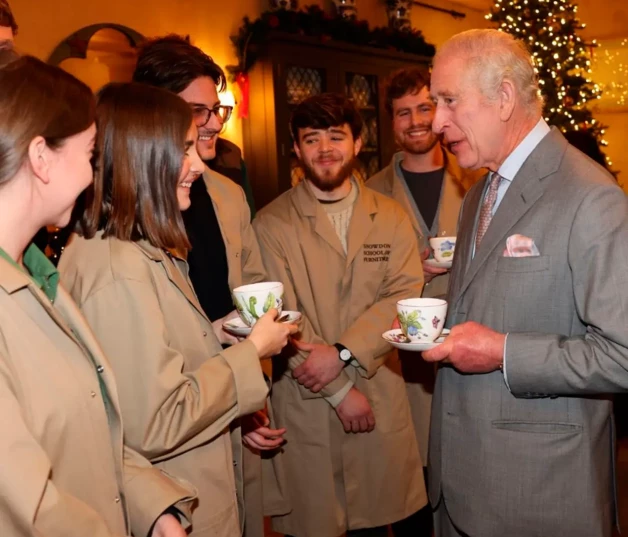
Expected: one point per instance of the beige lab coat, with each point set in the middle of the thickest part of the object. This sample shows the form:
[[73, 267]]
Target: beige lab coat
[[179, 391], [64, 470], [339, 481]]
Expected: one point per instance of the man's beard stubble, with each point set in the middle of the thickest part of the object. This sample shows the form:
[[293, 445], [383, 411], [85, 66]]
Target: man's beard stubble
[[328, 184], [419, 147]]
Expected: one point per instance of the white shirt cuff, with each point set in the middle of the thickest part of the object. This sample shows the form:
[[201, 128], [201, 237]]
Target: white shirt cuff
[[504, 364], [338, 397]]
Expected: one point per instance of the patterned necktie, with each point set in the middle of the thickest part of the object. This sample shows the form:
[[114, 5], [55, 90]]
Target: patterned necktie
[[486, 213]]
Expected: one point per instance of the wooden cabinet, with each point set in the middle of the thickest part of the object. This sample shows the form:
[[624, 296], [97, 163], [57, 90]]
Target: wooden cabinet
[[292, 68]]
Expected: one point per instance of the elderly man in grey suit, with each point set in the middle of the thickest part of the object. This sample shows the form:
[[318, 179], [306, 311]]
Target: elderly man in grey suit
[[522, 439]]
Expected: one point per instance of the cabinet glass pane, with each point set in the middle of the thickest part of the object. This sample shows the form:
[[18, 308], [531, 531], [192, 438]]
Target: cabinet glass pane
[[362, 90], [303, 82]]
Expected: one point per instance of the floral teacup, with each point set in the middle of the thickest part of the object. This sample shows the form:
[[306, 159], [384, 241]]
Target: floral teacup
[[421, 319]]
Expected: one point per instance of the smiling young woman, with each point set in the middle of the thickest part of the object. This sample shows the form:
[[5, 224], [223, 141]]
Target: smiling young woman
[[67, 472], [179, 390]]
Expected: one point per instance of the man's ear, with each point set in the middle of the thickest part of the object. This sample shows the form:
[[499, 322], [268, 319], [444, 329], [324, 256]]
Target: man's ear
[[297, 150], [507, 98], [357, 145], [39, 157]]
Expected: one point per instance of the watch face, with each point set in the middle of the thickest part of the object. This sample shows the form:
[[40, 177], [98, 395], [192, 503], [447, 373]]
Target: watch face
[[345, 355]]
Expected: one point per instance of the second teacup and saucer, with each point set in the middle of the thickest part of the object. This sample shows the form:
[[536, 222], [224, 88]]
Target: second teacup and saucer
[[443, 248]]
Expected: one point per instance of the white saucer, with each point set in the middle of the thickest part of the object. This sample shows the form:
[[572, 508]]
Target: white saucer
[[395, 338], [438, 264], [238, 328]]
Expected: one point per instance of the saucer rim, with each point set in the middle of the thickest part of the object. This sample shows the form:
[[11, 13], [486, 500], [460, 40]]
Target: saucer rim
[[417, 346], [229, 326], [439, 264]]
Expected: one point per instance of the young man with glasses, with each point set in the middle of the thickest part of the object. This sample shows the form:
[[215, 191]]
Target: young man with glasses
[[224, 253]]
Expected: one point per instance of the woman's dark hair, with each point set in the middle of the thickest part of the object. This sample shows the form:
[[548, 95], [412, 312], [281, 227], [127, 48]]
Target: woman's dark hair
[[324, 111], [173, 63], [402, 82], [37, 99], [140, 150]]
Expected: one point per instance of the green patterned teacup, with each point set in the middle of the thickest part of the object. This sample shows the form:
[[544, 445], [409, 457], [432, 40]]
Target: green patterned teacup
[[255, 299]]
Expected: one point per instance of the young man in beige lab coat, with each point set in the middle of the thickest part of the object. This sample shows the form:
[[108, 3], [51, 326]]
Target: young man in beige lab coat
[[346, 255], [425, 179]]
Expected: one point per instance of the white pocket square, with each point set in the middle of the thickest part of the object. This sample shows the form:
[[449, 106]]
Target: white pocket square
[[520, 246]]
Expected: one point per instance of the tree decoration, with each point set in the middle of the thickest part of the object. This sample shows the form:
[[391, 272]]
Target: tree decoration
[[562, 59]]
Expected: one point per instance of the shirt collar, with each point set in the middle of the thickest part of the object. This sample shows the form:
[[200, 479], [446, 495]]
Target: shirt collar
[[40, 269], [511, 166]]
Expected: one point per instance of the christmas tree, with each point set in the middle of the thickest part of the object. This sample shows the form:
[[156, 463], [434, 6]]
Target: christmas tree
[[550, 30]]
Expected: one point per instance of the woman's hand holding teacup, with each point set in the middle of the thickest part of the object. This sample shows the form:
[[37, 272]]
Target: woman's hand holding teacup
[[269, 336]]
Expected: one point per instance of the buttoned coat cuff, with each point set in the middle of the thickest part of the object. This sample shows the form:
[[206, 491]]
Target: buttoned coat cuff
[[151, 492]]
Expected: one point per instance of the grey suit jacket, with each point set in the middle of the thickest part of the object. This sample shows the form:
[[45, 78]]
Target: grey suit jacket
[[537, 460]]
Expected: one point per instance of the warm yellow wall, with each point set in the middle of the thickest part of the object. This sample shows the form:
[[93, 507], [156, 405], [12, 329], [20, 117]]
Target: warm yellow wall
[[44, 24], [607, 21]]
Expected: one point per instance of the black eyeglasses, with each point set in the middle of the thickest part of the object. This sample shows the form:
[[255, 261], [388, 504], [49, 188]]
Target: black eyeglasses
[[202, 114]]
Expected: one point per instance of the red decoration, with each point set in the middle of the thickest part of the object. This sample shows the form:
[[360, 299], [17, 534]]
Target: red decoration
[[242, 80]]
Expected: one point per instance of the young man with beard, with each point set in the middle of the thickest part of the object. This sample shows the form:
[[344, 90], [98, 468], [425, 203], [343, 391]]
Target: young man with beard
[[8, 26], [224, 252], [428, 183], [345, 255]]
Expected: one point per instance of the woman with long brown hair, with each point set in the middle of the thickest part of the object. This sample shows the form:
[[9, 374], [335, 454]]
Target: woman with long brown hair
[[179, 389], [65, 471]]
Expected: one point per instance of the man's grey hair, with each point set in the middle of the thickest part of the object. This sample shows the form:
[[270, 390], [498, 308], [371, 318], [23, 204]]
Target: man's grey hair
[[492, 57]]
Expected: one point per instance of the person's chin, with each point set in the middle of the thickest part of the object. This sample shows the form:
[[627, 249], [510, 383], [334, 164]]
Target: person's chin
[[206, 150], [184, 204], [419, 147]]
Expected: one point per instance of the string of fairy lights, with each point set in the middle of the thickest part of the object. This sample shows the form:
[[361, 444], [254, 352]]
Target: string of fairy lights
[[562, 59], [616, 90]]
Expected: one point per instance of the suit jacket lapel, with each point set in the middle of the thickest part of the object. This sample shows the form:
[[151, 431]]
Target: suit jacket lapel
[[465, 237], [450, 201], [526, 189]]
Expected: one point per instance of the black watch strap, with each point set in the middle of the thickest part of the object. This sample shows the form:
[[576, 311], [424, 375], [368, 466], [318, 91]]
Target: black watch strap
[[345, 354]]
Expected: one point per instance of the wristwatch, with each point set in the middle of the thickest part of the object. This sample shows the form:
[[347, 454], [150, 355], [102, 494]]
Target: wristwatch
[[345, 354]]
